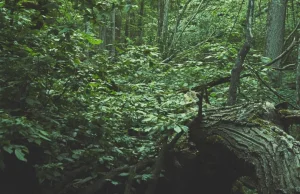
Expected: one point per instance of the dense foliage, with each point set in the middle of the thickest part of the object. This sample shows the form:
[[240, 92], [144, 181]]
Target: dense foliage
[[86, 97]]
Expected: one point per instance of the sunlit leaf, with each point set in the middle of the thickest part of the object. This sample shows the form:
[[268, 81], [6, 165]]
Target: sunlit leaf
[[20, 155], [124, 174], [177, 129]]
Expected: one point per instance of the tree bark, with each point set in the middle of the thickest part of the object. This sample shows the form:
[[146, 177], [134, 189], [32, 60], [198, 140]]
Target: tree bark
[[160, 19], [103, 30], [128, 186], [140, 22], [113, 21], [237, 69], [298, 77], [118, 21], [275, 36], [248, 139], [165, 27]]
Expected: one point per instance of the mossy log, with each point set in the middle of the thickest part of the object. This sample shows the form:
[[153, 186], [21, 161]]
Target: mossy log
[[249, 140]]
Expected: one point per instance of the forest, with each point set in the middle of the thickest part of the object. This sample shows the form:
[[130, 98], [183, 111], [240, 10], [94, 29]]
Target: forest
[[150, 96]]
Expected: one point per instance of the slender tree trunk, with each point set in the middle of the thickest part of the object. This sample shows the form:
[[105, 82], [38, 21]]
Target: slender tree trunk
[[160, 20], [127, 22], [132, 22], [126, 29], [103, 30], [113, 20], [128, 186], [87, 30], [298, 77], [165, 27], [275, 36], [118, 26], [174, 33], [237, 69], [140, 22], [294, 13]]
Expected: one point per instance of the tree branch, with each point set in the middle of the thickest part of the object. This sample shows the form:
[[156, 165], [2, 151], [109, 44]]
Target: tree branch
[[237, 69], [294, 43]]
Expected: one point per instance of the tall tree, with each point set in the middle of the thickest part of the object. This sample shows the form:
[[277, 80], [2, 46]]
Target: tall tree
[[127, 20], [140, 22], [298, 77], [165, 27], [275, 36], [102, 32], [113, 20], [160, 19]]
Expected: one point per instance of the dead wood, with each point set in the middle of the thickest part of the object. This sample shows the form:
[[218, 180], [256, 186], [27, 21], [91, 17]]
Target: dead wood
[[249, 139]]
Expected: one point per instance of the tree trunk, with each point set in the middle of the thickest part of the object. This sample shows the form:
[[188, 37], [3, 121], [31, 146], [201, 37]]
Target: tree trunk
[[126, 29], [165, 27], [160, 19], [127, 22], [118, 26], [140, 22], [298, 77], [275, 36], [237, 69], [129, 182], [113, 21], [133, 31], [174, 33], [247, 140], [102, 30]]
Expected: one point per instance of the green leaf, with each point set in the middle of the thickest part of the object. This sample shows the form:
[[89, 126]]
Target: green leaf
[[43, 132], [118, 150], [8, 149], [127, 8], [64, 30], [92, 40], [184, 128], [146, 177], [82, 181], [177, 129], [37, 141], [113, 182], [213, 94], [124, 174], [89, 10], [265, 59], [20, 155], [147, 119], [2, 4], [44, 137]]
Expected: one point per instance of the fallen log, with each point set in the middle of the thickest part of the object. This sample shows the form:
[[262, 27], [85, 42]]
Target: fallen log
[[247, 140]]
